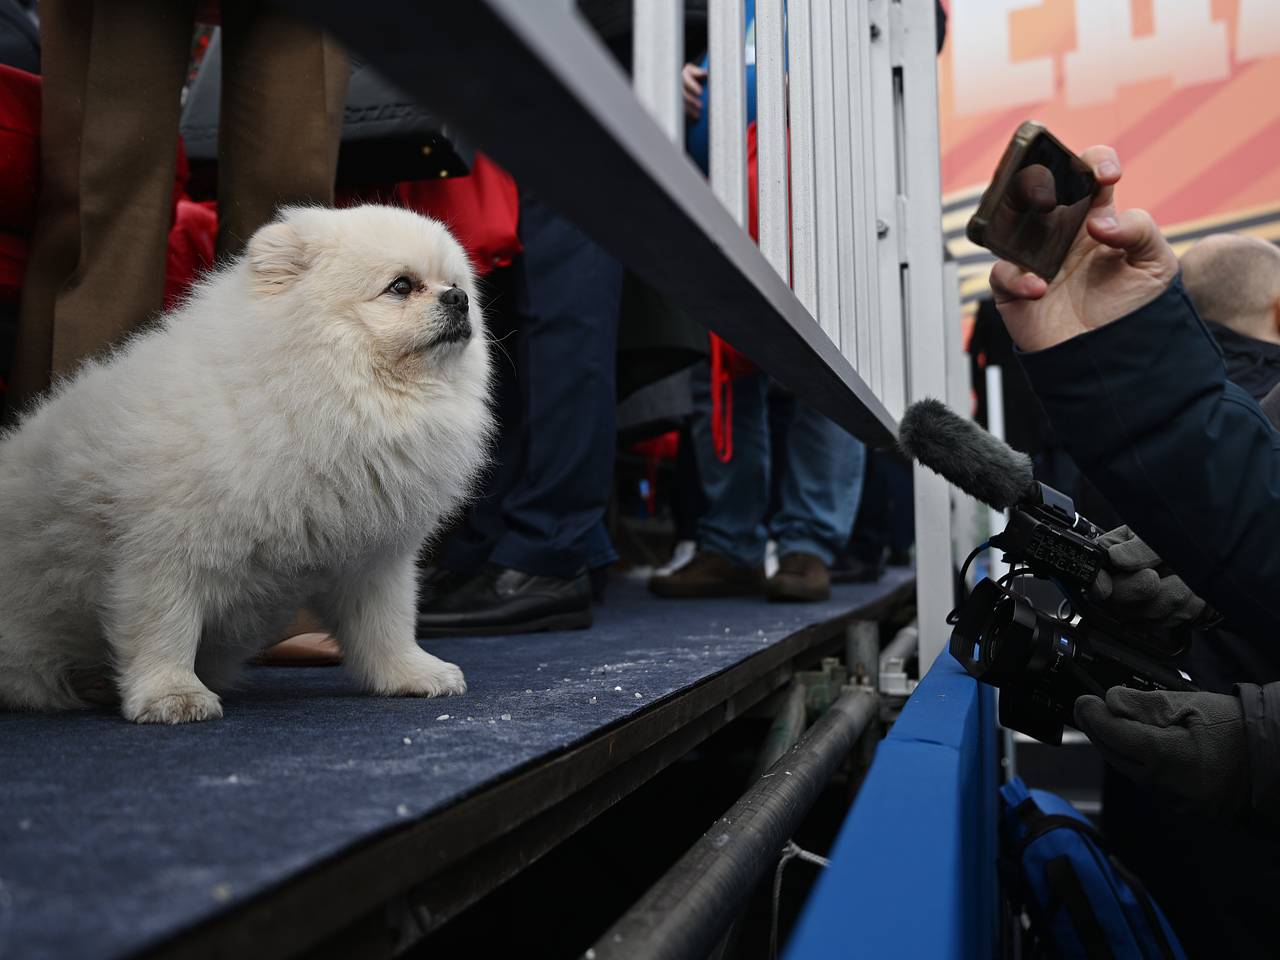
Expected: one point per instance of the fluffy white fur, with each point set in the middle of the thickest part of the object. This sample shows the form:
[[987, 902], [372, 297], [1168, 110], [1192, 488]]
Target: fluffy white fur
[[288, 437]]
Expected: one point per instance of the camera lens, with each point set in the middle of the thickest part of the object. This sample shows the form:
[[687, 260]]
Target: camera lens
[[992, 638], [995, 633]]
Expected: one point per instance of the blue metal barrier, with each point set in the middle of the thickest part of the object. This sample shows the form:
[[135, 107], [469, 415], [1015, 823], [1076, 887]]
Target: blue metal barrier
[[913, 871]]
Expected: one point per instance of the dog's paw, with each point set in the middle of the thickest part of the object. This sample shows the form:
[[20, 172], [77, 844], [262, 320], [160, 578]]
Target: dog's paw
[[426, 676], [186, 706]]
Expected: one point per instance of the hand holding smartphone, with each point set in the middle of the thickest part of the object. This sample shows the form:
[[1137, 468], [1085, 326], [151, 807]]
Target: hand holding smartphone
[[1036, 203]]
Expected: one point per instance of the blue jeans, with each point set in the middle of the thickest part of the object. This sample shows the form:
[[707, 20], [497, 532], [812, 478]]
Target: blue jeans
[[820, 488]]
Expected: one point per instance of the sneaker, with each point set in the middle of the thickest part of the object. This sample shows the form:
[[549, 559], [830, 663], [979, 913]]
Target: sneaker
[[709, 575], [801, 577], [683, 553]]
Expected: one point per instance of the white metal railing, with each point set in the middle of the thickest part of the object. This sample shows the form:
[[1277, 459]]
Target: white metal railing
[[545, 98], [851, 85]]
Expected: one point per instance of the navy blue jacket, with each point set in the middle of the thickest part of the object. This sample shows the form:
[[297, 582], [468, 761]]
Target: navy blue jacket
[[1144, 407]]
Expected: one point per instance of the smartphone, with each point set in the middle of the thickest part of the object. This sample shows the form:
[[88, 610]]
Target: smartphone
[[1036, 203]]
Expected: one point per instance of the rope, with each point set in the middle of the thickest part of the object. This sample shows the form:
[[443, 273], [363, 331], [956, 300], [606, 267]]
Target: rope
[[790, 851]]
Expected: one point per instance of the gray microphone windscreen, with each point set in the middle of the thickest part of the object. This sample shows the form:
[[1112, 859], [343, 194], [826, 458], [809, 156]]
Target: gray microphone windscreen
[[961, 451]]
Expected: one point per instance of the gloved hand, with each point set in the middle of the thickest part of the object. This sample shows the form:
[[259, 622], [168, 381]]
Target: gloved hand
[[1132, 588], [1190, 744]]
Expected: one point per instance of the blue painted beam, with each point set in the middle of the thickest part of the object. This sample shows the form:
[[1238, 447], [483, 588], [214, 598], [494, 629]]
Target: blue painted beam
[[913, 870]]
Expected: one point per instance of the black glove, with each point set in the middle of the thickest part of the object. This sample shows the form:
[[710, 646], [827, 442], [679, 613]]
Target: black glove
[[1190, 744], [1132, 588]]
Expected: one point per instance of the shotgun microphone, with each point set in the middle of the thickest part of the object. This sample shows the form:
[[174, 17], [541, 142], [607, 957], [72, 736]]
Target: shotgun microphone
[[981, 465]]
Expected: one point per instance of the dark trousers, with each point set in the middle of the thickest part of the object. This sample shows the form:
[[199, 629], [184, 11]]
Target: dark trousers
[[886, 516], [113, 75], [543, 505]]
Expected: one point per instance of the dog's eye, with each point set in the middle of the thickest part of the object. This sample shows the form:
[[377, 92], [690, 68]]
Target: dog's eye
[[400, 287]]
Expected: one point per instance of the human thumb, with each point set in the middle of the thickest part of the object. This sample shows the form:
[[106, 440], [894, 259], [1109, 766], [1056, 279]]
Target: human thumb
[[1134, 232]]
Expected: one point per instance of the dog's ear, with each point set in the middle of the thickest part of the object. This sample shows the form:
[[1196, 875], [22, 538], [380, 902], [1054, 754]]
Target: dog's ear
[[277, 257]]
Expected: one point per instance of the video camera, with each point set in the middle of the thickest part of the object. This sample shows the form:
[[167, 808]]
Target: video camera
[[1042, 661]]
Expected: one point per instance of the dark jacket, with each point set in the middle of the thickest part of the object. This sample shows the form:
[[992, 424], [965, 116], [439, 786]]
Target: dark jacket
[[1145, 408], [1253, 364], [19, 36]]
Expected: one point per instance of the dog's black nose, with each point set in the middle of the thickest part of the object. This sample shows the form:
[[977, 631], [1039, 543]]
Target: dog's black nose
[[454, 298]]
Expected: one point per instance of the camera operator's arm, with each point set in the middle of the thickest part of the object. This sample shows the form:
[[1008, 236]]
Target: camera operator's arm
[[1220, 754], [1135, 388]]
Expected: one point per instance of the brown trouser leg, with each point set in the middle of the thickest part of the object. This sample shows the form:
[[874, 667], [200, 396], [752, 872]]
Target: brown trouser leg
[[113, 72], [284, 84]]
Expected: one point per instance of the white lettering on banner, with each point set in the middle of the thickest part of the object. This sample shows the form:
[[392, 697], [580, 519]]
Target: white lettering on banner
[[1186, 43], [1258, 29], [986, 76]]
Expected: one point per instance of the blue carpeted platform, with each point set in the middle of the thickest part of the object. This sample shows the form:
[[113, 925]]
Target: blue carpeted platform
[[114, 836]]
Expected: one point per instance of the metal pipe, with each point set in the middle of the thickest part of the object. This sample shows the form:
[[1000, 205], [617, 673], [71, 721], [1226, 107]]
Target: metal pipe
[[862, 653], [996, 519], [786, 729], [684, 914], [902, 646]]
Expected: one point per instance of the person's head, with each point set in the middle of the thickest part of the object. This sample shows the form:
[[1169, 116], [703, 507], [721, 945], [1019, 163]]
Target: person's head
[[1235, 281]]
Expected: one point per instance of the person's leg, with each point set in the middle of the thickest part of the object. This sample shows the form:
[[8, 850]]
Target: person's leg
[[731, 532], [820, 495], [284, 84], [737, 490], [863, 556], [468, 545], [113, 74], [553, 515], [902, 510]]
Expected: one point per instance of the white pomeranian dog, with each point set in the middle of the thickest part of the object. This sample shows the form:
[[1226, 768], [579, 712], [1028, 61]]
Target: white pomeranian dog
[[288, 437]]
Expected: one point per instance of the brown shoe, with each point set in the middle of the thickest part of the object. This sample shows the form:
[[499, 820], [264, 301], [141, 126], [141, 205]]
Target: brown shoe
[[709, 575], [800, 577]]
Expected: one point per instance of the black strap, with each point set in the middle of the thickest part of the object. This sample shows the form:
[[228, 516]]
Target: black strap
[[1045, 822], [1067, 890], [1147, 904]]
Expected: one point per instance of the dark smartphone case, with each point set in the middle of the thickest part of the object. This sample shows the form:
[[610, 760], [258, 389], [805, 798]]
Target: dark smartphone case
[[1045, 263]]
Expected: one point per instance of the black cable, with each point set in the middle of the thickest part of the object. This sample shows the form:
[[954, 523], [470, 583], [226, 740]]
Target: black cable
[[954, 616]]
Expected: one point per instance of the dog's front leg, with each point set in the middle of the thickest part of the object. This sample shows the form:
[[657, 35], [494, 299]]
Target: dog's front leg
[[373, 613], [153, 624]]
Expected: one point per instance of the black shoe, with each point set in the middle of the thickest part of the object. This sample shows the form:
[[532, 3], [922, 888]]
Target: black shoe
[[501, 601], [900, 558], [851, 569], [440, 582]]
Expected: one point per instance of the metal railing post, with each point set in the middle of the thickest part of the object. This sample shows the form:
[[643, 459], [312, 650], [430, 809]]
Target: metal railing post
[[863, 160], [726, 40], [854, 314], [657, 52], [771, 134], [916, 82], [804, 245], [827, 201], [881, 137]]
